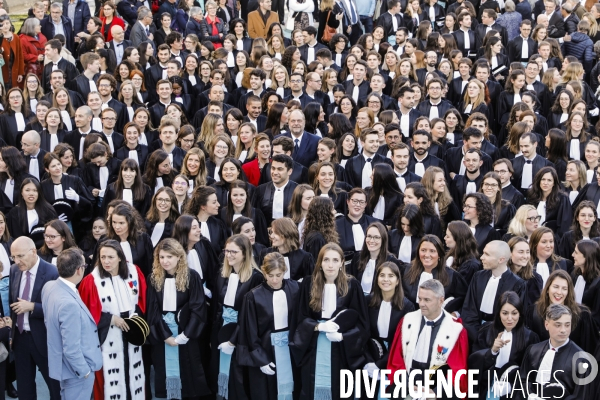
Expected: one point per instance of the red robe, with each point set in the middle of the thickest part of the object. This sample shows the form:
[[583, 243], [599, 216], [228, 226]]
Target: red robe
[[457, 359], [89, 296]]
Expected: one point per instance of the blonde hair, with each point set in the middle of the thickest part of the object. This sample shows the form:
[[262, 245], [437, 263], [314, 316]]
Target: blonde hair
[[572, 72], [239, 147], [248, 264], [517, 224], [202, 173], [207, 131], [480, 98], [443, 199], [182, 275]]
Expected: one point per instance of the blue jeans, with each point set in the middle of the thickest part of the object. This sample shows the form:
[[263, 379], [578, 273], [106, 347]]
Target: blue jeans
[[367, 23]]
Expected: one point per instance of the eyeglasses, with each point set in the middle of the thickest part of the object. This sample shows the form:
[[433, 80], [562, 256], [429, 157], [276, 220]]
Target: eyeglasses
[[230, 252], [501, 172], [468, 207], [222, 147], [104, 85], [358, 202], [17, 257], [490, 185], [534, 219], [51, 237], [373, 238], [180, 183], [163, 201], [188, 140], [109, 119]]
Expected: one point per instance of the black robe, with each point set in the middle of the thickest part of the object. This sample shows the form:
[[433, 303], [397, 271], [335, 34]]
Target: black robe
[[191, 317], [17, 224], [260, 225], [339, 200], [562, 372], [256, 324], [393, 201], [560, 217], [209, 262], [167, 231], [485, 233], [590, 297], [142, 155], [348, 353], [518, 163], [45, 138], [142, 206], [456, 288], [590, 192], [481, 356], [263, 199], [218, 233], [74, 139], [236, 373], [507, 212], [511, 194], [354, 167], [395, 237], [454, 158], [458, 187], [346, 237], [353, 268], [468, 268], [472, 315]]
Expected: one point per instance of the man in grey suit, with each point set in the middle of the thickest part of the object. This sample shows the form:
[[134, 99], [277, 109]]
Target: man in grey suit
[[140, 31], [73, 346]]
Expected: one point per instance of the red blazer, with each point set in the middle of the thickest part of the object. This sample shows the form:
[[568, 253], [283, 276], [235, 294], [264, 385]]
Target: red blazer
[[116, 21], [18, 67], [32, 48]]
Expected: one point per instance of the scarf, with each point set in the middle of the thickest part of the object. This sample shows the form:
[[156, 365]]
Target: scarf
[[172, 361]]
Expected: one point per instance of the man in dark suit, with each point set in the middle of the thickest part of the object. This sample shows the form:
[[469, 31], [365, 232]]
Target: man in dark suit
[[140, 30], [55, 22], [28, 275], [83, 120], [431, 61], [503, 167], [527, 167], [308, 51], [488, 22], [34, 156], [157, 111], [157, 72], [516, 50], [407, 115], [435, 106], [570, 18], [57, 80], [257, 83], [305, 144], [52, 53], [556, 22], [118, 44], [285, 145], [465, 37], [391, 20], [107, 84], [358, 87], [255, 117], [273, 198], [78, 12], [86, 82], [360, 167]]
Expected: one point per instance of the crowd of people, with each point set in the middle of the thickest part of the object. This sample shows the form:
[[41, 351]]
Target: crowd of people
[[406, 186]]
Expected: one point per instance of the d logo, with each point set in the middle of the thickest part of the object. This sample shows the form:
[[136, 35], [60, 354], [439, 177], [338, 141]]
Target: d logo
[[582, 368]]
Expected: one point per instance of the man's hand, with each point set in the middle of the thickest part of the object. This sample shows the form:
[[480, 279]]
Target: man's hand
[[22, 306], [95, 192]]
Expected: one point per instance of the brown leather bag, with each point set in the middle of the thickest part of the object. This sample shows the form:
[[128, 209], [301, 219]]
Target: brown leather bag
[[328, 31]]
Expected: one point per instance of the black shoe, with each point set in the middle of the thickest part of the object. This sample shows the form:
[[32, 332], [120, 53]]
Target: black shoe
[[11, 391]]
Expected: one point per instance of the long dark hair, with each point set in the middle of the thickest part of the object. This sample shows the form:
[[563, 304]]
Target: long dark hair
[[416, 267], [420, 192], [133, 223], [274, 118], [182, 228], [591, 252], [576, 227], [64, 232], [365, 254], [415, 220], [518, 331], [384, 183], [247, 210], [311, 112], [339, 153], [340, 125], [137, 189], [535, 193], [151, 173], [15, 162], [377, 296], [112, 244], [42, 206], [558, 146], [465, 248]]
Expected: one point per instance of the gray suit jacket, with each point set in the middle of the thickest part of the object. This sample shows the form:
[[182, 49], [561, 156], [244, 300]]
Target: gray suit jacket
[[138, 34], [73, 345]]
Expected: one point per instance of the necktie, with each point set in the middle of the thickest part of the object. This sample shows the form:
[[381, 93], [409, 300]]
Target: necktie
[[422, 350], [489, 295], [366, 173], [545, 369], [24, 296], [147, 31], [355, 94], [527, 175], [34, 167], [353, 19], [296, 146]]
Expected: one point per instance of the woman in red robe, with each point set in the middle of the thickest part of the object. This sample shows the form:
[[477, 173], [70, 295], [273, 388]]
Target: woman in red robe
[[10, 48], [116, 290]]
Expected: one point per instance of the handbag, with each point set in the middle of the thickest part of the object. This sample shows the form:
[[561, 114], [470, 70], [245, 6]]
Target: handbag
[[328, 31], [289, 25]]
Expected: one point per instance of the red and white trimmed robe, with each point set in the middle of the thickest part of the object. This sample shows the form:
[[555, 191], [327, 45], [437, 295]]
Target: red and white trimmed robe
[[99, 296], [450, 346]]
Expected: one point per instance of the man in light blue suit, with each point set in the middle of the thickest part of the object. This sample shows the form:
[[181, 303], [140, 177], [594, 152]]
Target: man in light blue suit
[[73, 346]]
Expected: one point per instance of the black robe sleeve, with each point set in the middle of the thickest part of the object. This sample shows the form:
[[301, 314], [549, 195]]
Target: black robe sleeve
[[260, 225]]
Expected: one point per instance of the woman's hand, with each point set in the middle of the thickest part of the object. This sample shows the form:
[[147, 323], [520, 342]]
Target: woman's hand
[[95, 192], [171, 341], [119, 323], [499, 343], [41, 57]]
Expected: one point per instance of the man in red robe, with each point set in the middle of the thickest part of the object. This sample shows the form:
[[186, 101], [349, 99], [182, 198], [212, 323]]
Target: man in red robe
[[430, 338]]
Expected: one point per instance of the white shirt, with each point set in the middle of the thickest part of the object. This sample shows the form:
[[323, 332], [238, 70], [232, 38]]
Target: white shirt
[[33, 273], [278, 202]]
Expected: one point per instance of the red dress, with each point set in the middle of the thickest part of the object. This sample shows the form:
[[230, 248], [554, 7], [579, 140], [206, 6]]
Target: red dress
[[115, 21]]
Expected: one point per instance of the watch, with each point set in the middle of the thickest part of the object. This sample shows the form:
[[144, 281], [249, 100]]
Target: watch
[[86, 375]]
